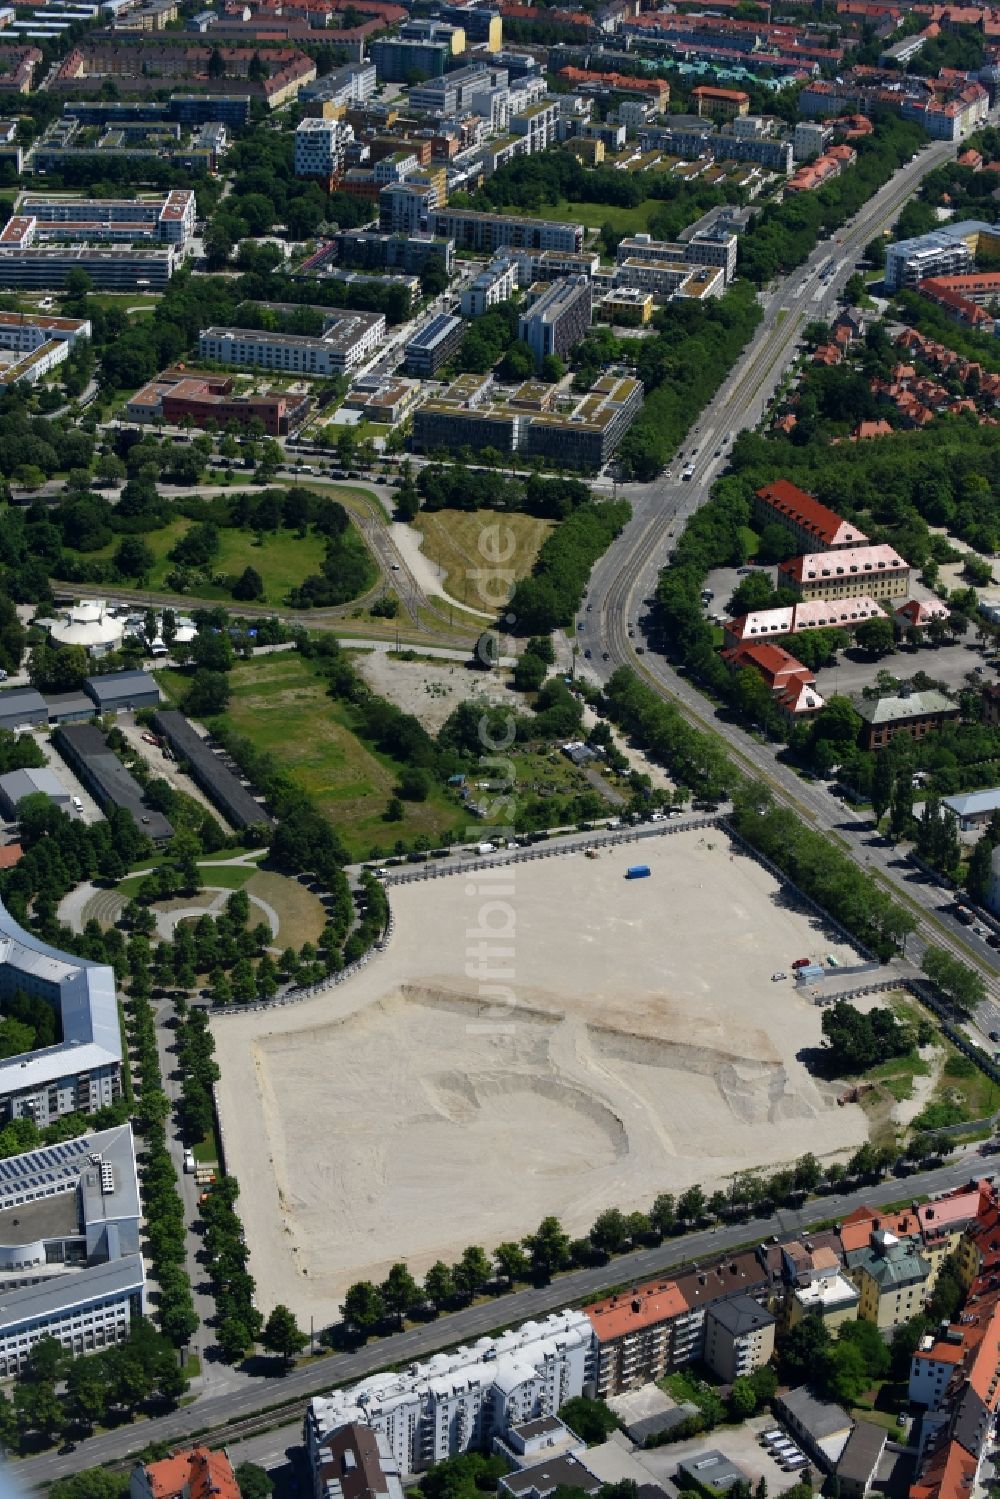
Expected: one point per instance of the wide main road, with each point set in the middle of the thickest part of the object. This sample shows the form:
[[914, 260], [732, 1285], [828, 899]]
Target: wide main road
[[628, 572], [703, 1248]]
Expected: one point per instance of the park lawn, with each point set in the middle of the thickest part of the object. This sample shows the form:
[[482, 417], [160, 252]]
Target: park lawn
[[282, 707], [462, 543], [225, 876], [301, 917], [971, 1091], [596, 215]]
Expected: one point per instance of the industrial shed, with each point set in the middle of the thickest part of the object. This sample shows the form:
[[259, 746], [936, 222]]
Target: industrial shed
[[17, 784], [222, 788], [121, 690], [22, 705], [85, 749]]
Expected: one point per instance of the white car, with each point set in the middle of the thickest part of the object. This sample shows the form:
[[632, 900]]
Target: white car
[[777, 977]]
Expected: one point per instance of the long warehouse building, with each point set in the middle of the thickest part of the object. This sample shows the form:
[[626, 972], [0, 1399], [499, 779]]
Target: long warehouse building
[[205, 768]]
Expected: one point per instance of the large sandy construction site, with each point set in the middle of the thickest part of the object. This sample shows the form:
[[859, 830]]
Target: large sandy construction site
[[414, 1111]]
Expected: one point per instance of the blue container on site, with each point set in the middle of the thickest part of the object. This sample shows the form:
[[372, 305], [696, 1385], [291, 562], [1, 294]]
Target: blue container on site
[[637, 872]]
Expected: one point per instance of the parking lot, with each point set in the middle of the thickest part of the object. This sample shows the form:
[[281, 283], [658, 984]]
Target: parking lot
[[740, 1444]]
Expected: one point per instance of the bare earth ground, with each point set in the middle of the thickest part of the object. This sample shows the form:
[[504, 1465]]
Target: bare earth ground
[[407, 1114], [432, 690]]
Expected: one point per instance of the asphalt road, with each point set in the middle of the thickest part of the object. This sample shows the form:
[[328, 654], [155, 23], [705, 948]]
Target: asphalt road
[[706, 1246], [628, 571]]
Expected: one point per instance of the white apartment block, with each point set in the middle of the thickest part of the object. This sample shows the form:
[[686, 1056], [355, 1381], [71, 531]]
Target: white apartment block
[[537, 126], [348, 340], [166, 221], [321, 147], [458, 1401], [494, 284], [810, 139], [705, 247]]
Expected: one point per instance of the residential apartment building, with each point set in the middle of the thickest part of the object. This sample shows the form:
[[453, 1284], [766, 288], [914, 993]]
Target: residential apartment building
[[585, 435], [710, 247], [395, 252], [892, 1278], [494, 284], [559, 319], [817, 1285], [348, 86], [912, 713], [194, 1473], [398, 61], [167, 221], [810, 523], [739, 1337], [633, 1336], [321, 150], [466, 91], [875, 571], [496, 231], [433, 345], [949, 250], [723, 103], [83, 1072], [406, 207], [354, 1462], [691, 137], [46, 268], [457, 1402], [70, 1266], [348, 340]]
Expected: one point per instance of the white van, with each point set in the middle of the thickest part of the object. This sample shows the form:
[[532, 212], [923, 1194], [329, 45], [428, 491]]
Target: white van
[[189, 1162], [77, 804]]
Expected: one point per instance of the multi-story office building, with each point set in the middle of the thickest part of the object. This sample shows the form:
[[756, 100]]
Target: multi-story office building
[[399, 61], [494, 284], [83, 1072], [497, 231], [876, 571], [42, 342], [433, 345], [559, 318], [344, 88], [348, 339], [321, 149], [461, 92], [457, 1402], [402, 252], [70, 1264], [45, 268], [586, 436]]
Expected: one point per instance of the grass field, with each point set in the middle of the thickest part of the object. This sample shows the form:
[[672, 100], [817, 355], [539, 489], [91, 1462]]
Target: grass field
[[283, 560], [282, 706], [301, 917], [596, 215], [451, 540]]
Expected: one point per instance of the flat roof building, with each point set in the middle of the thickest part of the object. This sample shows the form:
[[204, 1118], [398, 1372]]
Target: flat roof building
[[120, 690], [434, 344], [70, 1261], [85, 748], [559, 319], [223, 789], [349, 339], [497, 231], [17, 784], [22, 705], [82, 1073]]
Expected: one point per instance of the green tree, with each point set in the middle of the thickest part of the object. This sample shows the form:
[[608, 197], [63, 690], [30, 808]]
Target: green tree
[[592, 1420], [364, 1307], [802, 1350], [253, 1482], [511, 1261], [882, 785], [400, 1291], [473, 1271], [282, 1335], [439, 1285], [548, 1247]]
